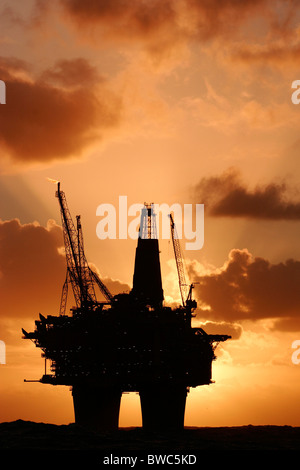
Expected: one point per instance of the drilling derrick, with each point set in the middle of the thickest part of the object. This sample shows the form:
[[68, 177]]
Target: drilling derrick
[[147, 283], [128, 342]]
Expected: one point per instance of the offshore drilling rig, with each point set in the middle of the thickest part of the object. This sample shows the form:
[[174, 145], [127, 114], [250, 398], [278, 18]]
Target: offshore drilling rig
[[128, 342]]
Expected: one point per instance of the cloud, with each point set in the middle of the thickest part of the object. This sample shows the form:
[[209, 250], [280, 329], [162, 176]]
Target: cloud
[[76, 73], [57, 115], [287, 324], [249, 288], [142, 17], [33, 270], [193, 17], [280, 44], [152, 25], [227, 195], [115, 286], [223, 18], [220, 328], [267, 53], [160, 25]]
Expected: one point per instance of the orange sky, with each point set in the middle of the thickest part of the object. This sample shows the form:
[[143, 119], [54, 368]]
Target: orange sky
[[163, 101]]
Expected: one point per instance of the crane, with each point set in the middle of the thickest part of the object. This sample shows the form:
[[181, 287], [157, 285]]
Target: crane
[[79, 274], [185, 290]]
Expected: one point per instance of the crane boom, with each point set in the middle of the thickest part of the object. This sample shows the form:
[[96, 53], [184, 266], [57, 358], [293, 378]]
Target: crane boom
[[179, 262], [102, 286], [79, 274], [185, 291]]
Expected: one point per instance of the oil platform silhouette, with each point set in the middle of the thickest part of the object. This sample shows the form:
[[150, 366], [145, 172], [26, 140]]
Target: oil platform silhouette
[[128, 342]]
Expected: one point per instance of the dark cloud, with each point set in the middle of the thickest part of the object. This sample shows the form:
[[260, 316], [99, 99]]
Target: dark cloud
[[168, 22], [227, 195], [10, 65], [141, 17], [248, 288], [287, 324], [220, 328], [270, 53], [33, 270], [282, 43], [223, 17], [209, 17], [42, 121], [72, 73], [115, 286]]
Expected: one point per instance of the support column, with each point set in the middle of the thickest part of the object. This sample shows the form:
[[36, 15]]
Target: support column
[[163, 407], [95, 407]]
